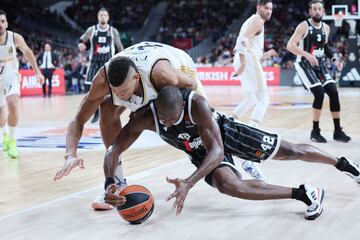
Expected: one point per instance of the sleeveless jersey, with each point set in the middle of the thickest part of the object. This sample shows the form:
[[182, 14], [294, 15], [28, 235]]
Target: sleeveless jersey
[[145, 55], [314, 41], [256, 45], [102, 44], [9, 63]]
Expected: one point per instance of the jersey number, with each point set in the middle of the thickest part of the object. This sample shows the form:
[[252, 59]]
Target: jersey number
[[1, 69], [102, 40], [268, 140], [318, 37]]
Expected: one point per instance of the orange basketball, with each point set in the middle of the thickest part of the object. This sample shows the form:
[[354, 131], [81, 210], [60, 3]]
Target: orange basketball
[[139, 204]]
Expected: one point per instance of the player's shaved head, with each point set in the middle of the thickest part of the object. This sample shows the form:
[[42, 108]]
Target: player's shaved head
[[169, 100]]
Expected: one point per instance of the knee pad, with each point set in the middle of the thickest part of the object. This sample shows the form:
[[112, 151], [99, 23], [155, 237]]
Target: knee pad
[[318, 93], [333, 94]]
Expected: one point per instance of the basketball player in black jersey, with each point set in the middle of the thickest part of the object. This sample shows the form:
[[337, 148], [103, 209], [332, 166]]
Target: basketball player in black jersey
[[102, 39], [310, 43], [184, 120]]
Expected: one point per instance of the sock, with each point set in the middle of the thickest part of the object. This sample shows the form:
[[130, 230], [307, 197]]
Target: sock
[[300, 194], [4, 130], [344, 166], [316, 125], [337, 124], [119, 175], [11, 133]]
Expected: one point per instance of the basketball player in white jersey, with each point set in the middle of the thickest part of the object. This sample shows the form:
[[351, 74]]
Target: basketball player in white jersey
[[129, 80], [310, 43], [249, 53], [10, 81]]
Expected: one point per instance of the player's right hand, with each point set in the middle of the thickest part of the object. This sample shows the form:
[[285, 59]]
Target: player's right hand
[[239, 71], [82, 47], [70, 163], [312, 60], [112, 195]]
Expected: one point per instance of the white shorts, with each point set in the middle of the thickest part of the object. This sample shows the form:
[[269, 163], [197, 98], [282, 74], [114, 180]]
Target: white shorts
[[13, 88], [253, 77]]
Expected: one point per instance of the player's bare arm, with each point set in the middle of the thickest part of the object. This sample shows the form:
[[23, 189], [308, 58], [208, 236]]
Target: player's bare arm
[[211, 137], [29, 55], [117, 40], [92, 100], [164, 74], [293, 43], [84, 38], [138, 122]]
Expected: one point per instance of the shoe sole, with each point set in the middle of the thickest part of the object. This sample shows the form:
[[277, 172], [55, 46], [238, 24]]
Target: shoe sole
[[101, 206], [339, 140], [315, 140], [316, 215]]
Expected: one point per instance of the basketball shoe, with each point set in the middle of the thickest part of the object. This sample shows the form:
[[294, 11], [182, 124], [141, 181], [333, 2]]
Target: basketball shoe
[[349, 166], [5, 142], [254, 171], [100, 204], [316, 136], [316, 196], [340, 136], [12, 149]]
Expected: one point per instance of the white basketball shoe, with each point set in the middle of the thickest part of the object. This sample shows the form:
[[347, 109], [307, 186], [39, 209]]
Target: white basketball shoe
[[100, 204], [316, 196]]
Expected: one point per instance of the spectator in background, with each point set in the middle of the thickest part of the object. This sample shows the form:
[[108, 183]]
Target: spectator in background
[[47, 62]]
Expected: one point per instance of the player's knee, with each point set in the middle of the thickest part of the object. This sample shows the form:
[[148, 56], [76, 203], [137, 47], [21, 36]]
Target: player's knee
[[333, 94], [318, 93]]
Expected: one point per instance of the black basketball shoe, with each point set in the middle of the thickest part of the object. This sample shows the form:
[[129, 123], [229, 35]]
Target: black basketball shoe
[[340, 136], [316, 136]]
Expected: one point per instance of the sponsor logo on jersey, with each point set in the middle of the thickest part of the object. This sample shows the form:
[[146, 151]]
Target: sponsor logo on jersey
[[103, 49], [259, 154], [11, 50]]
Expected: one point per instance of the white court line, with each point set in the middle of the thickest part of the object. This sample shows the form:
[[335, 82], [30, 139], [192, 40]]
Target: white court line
[[135, 176]]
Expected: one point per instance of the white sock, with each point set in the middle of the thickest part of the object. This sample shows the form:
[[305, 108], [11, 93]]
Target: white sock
[[11, 133], [119, 175], [4, 129]]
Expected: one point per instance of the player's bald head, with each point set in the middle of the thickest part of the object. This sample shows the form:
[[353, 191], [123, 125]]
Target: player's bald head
[[169, 100]]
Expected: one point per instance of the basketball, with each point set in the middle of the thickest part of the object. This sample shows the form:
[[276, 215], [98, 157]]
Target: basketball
[[139, 204]]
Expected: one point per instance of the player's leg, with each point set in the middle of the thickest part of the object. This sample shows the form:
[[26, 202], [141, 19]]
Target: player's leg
[[3, 126], [244, 106], [309, 153], [228, 181], [110, 127], [311, 82], [331, 90], [13, 120], [262, 103], [50, 74]]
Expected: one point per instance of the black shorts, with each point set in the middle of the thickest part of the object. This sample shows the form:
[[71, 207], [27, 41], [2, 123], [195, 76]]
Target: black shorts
[[227, 162], [247, 142], [92, 70], [313, 76]]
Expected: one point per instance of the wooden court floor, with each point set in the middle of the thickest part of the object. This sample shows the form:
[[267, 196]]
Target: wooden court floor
[[32, 206]]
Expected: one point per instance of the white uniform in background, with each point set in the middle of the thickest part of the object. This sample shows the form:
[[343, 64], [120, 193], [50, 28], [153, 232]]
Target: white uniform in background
[[9, 66]]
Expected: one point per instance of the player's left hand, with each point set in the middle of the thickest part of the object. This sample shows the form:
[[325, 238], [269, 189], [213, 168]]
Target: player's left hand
[[182, 189], [40, 78]]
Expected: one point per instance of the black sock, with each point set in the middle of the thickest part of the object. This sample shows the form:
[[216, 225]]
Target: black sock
[[344, 166], [337, 124], [316, 125], [300, 194]]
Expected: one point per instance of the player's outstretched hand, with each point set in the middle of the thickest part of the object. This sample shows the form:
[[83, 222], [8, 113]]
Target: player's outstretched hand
[[70, 164], [182, 189]]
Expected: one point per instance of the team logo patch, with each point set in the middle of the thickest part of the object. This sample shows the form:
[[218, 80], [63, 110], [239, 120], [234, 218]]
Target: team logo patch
[[259, 154], [11, 50]]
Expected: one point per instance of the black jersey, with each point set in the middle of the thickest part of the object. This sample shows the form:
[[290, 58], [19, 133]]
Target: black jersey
[[102, 44], [239, 139], [314, 41]]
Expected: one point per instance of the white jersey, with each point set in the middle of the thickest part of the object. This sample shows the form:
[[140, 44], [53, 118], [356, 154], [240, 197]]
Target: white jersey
[[145, 55], [256, 44], [9, 63]]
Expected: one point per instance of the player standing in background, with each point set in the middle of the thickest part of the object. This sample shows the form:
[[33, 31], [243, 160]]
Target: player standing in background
[[10, 81], [249, 53], [102, 38], [310, 43]]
